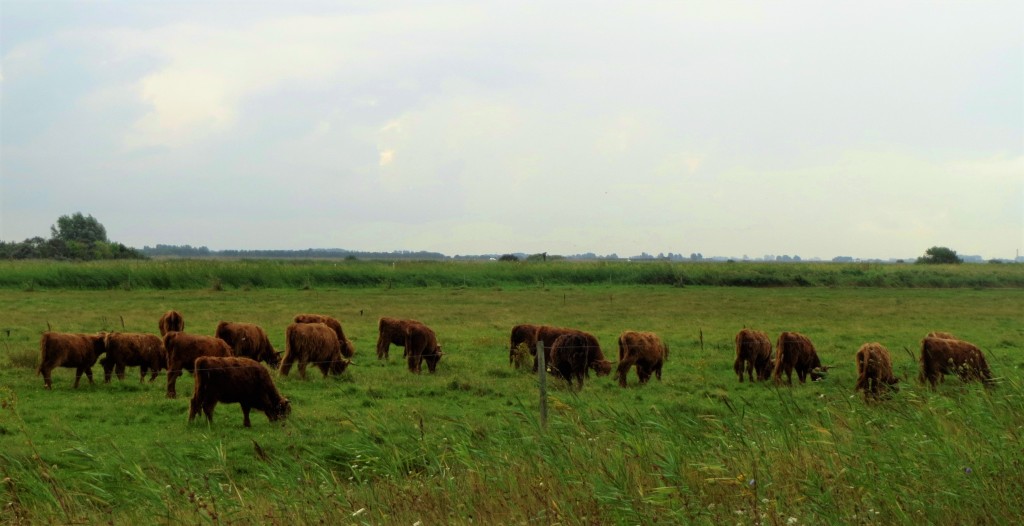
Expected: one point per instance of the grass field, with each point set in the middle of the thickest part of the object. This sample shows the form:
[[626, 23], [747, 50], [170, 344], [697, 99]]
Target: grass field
[[378, 445]]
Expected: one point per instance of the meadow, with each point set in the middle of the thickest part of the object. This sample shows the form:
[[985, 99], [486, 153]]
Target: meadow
[[378, 445]]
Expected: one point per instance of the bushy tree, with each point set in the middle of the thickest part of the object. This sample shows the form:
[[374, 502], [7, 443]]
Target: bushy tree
[[73, 237], [940, 255], [76, 227], [508, 257]]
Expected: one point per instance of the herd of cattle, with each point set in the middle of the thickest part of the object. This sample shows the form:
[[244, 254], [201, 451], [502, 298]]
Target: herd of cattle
[[227, 366]]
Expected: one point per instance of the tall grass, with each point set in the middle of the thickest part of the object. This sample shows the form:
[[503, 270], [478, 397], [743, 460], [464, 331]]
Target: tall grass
[[240, 274]]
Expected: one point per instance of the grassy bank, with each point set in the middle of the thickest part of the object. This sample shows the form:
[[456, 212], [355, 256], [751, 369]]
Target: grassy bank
[[381, 446], [259, 274]]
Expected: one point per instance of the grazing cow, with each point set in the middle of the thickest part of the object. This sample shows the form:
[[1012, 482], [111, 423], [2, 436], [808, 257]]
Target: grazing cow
[[347, 349], [393, 331], [753, 353], [182, 351], [248, 340], [940, 356], [421, 344], [61, 349], [522, 334], [795, 351], [171, 321], [133, 349], [312, 343], [645, 350], [572, 355], [548, 335], [874, 371], [234, 380]]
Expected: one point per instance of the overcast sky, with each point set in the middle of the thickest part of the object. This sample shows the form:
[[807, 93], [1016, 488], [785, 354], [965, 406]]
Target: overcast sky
[[869, 129]]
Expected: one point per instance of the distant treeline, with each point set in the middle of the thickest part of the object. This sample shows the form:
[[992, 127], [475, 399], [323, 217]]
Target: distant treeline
[[188, 251], [234, 274]]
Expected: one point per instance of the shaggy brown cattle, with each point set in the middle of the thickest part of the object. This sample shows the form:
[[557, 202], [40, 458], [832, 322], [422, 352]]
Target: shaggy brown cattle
[[753, 353], [125, 349], [235, 380], [524, 334], [171, 321], [248, 340], [548, 335], [393, 331], [874, 370], [61, 349], [940, 356], [940, 334], [573, 353], [182, 351], [347, 349], [312, 343], [643, 349], [795, 351], [421, 344]]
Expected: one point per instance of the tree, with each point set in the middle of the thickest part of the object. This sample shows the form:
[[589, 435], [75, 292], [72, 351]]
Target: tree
[[940, 255], [79, 228], [508, 257]]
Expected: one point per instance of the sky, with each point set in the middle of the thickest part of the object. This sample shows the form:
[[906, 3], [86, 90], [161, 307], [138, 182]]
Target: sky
[[866, 129]]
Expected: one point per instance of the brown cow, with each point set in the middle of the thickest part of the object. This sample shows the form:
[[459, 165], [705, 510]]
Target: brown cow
[[548, 334], [940, 356], [126, 349], [61, 349], [645, 350], [248, 340], [347, 349], [753, 353], [312, 343], [874, 371], [393, 331], [940, 334], [421, 344], [235, 380], [171, 321], [795, 351], [182, 351], [522, 334], [573, 354]]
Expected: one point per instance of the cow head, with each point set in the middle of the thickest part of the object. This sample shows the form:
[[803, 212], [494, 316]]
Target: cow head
[[602, 367], [279, 410], [348, 349], [819, 373], [339, 366], [274, 358], [433, 358]]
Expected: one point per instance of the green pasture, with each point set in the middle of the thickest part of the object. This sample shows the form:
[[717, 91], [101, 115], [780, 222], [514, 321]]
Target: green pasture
[[379, 445]]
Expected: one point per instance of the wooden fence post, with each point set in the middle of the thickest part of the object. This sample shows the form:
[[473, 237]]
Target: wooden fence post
[[542, 380]]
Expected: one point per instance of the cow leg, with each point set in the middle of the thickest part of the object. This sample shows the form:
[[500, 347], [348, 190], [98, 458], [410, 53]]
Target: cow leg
[[622, 371], [193, 408], [208, 410], [172, 378], [47, 381], [325, 368], [657, 371], [119, 370], [643, 373], [78, 375], [383, 346], [107, 370], [245, 413], [302, 369]]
